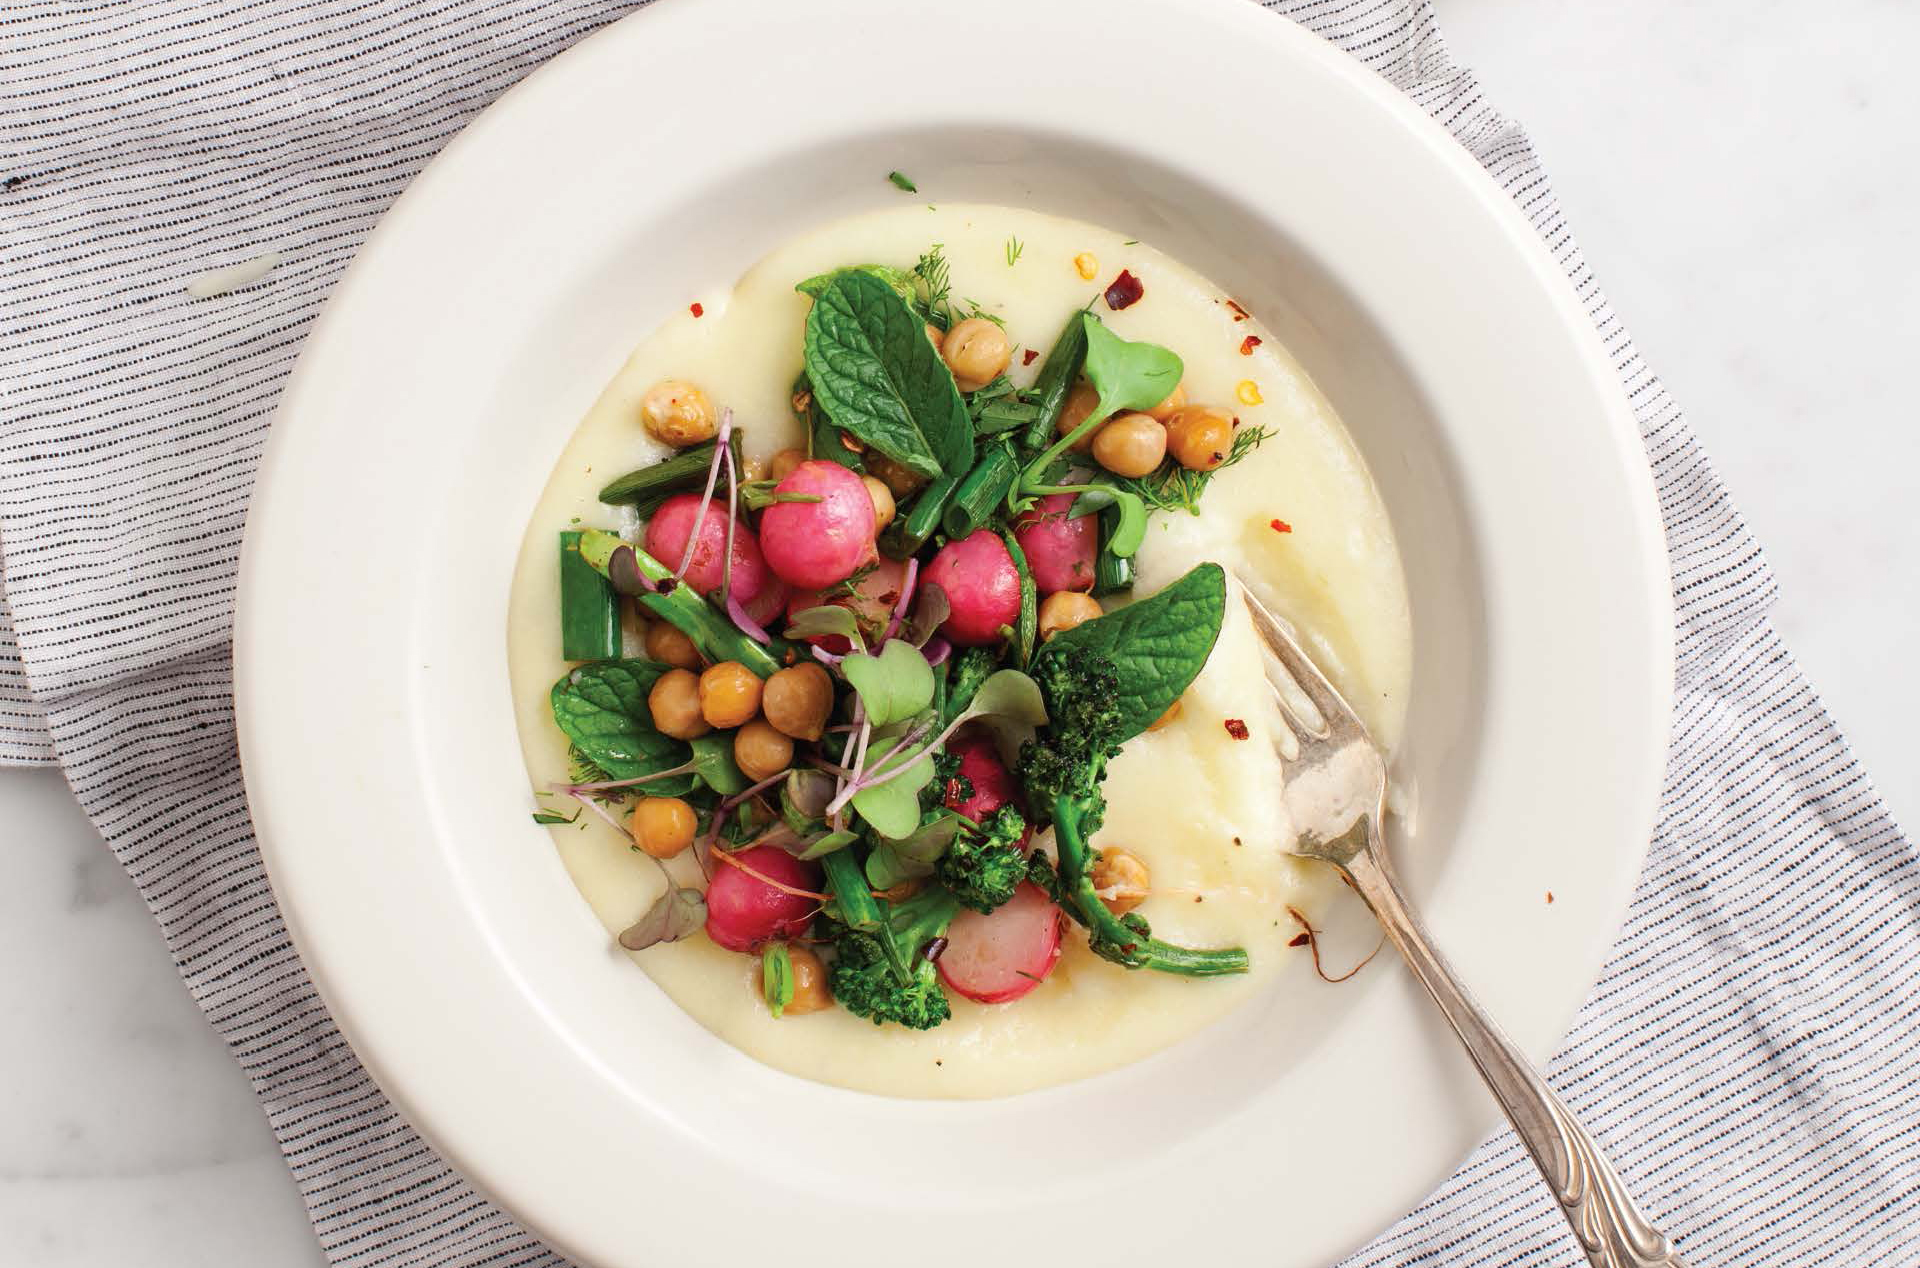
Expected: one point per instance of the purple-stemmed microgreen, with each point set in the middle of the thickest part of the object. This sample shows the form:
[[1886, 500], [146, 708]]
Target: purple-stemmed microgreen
[[720, 450], [904, 601]]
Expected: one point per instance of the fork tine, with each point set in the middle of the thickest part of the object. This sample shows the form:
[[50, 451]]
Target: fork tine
[[1334, 710]]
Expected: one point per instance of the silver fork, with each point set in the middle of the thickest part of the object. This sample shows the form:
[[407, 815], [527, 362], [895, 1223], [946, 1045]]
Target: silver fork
[[1336, 782]]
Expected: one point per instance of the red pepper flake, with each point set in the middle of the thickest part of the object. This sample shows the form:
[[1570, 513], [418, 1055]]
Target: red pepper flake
[[1299, 940], [1280, 526], [1549, 898], [1236, 728], [1027, 357], [696, 309], [1248, 344], [953, 792], [1124, 291], [1239, 313]]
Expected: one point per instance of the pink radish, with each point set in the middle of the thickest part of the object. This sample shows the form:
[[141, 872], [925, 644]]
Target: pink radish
[[813, 545], [992, 782], [744, 911], [1059, 550], [672, 524], [981, 585], [871, 602], [1001, 956]]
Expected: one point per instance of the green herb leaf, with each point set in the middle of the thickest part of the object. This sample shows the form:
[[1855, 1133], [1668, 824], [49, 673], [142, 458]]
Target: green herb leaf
[[825, 619], [548, 817], [602, 708], [1128, 375], [892, 809], [879, 378], [713, 764], [903, 281], [912, 857], [1158, 646], [894, 685], [1011, 696], [674, 915], [828, 844], [776, 977], [900, 181]]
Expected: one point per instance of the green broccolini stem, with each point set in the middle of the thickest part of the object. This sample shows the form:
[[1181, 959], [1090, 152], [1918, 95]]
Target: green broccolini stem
[[910, 532], [1112, 574], [1055, 383], [979, 495], [1126, 945], [718, 639]]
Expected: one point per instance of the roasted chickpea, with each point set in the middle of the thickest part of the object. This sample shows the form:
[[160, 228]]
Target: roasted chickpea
[[899, 480], [883, 507], [977, 352], [666, 644], [810, 993], [1175, 399], [760, 751], [1200, 436], [729, 694], [674, 703], [1130, 445], [1064, 609], [1080, 403], [1173, 711], [797, 700], [781, 465], [663, 826], [1121, 880], [677, 413]]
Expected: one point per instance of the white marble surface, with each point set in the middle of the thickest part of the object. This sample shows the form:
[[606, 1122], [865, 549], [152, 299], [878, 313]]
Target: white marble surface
[[1738, 174]]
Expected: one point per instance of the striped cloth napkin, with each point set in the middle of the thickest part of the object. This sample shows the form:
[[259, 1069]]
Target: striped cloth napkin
[[1775, 936]]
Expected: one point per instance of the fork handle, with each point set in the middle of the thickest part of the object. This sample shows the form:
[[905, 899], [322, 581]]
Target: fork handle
[[1610, 1228]]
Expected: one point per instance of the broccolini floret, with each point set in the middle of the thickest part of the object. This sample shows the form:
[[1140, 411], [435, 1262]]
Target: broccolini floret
[[982, 869], [1061, 770], [881, 970]]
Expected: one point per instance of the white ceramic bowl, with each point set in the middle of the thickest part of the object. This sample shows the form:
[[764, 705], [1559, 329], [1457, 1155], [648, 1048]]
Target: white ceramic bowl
[[663, 156]]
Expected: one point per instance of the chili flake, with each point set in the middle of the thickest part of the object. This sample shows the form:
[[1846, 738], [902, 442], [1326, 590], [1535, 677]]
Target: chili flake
[[1124, 291], [1239, 313], [1027, 357], [1280, 526], [1236, 728], [1298, 940], [1549, 898], [696, 309], [1248, 344]]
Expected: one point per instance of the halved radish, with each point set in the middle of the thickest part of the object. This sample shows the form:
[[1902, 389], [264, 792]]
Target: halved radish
[[1000, 957], [993, 785]]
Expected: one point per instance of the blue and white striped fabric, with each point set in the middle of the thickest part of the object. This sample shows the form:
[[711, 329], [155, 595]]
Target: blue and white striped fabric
[[1775, 937]]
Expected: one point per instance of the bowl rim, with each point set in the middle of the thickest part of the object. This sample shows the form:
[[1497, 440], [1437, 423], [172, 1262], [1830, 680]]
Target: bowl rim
[[408, 1066]]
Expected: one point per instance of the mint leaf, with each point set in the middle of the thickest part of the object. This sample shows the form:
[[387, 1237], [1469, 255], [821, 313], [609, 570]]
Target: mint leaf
[[1158, 646], [602, 708], [894, 685], [880, 379], [900, 280]]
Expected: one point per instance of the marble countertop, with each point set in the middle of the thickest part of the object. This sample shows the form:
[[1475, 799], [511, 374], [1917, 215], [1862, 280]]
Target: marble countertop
[[1725, 165]]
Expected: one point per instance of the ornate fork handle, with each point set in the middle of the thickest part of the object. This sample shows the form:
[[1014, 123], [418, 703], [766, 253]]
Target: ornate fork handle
[[1609, 1226]]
